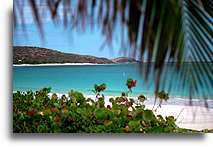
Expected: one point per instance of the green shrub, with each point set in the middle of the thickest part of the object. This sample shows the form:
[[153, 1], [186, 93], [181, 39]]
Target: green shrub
[[37, 112]]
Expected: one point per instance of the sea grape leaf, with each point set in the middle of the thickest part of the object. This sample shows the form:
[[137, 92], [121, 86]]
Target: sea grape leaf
[[117, 112], [148, 115], [100, 114], [100, 129], [134, 124], [107, 122], [56, 105], [142, 98], [157, 129], [76, 96]]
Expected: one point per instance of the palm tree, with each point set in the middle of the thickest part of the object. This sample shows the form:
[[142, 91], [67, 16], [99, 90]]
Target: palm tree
[[167, 30]]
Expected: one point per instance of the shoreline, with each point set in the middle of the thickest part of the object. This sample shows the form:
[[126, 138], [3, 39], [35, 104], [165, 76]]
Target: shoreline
[[173, 100], [69, 64], [56, 64]]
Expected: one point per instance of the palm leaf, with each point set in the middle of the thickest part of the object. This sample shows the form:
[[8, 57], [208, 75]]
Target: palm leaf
[[197, 26], [178, 31]]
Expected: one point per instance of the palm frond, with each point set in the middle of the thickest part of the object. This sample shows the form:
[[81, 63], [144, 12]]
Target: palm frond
[[198, 45], [168, 30]]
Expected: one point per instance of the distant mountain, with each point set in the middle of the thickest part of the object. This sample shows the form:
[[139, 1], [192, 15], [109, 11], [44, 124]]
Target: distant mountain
[[124, 60], [37, 55]]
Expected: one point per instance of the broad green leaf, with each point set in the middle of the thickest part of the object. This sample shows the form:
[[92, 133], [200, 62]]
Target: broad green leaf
[[148, 115]]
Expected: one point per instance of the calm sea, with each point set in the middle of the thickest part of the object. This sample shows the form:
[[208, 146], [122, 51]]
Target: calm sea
[[83, 77]]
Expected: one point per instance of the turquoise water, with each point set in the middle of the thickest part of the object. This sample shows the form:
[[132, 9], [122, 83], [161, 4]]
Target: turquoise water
[[83, 77]]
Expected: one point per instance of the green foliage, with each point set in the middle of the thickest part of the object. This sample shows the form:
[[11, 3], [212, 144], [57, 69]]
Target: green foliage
[[100, 114], [130, 83], [163, 96], [76, 97], [98, 89], [142, 98], [37, 112], [33, 113], [148, 115]]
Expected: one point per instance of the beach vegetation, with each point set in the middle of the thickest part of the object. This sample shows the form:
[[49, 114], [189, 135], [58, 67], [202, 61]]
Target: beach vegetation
[[161, 96], [98, 89], [43, 112], [130, 84]]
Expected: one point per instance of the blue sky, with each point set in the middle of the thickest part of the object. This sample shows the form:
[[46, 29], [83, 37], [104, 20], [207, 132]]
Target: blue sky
[[88, 42]]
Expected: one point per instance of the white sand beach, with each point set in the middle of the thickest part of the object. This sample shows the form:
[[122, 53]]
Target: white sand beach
[[65, 64], [190, 117], [55, 64]]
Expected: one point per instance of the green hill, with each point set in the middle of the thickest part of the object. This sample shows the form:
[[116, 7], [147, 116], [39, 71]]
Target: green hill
[[37, 55]]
